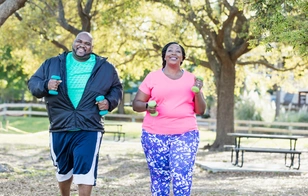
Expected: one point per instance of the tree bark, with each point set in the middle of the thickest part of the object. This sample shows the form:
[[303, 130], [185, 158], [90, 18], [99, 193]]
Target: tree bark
[[8, 7], [225, 104]]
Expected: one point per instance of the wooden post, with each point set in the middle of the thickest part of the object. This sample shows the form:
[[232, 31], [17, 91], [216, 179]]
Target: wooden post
[[290, 127], [6, 125], [4, 111], [278, 94], [249, 127], [1, 126], [30, 110]]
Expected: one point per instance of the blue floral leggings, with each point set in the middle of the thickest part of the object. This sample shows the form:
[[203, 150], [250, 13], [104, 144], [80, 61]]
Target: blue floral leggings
[[170, 158]]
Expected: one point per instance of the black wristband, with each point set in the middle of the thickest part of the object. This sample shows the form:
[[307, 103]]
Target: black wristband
[[146, 105]]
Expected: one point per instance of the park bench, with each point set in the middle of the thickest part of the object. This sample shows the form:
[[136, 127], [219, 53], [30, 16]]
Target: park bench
[[240, 161], [290, 153], [117, 134]]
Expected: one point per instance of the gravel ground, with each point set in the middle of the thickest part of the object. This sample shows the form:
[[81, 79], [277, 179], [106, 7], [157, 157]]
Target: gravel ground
[[26, 170]]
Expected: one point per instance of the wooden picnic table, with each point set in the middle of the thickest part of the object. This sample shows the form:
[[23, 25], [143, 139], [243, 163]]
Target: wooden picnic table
[[238, 148], [117, 134]]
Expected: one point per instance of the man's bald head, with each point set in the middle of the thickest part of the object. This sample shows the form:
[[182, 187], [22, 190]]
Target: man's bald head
[[82, 46]]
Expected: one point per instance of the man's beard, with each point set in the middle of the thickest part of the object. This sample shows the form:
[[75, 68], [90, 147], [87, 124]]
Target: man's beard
[[81, 58]]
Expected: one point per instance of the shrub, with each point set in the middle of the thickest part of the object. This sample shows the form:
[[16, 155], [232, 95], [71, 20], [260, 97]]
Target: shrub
[[246, 110]]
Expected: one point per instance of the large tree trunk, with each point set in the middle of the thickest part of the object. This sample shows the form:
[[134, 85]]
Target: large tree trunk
[[225, 105], [8, 7]]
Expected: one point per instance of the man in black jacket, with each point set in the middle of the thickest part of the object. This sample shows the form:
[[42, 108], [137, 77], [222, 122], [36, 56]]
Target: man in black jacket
[[70, 84]]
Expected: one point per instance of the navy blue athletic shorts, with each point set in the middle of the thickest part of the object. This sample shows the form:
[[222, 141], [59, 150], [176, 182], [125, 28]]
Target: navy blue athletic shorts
[[75, 153]]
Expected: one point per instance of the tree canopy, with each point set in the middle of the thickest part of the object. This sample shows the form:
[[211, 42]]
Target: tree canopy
[[13, 77], [220, 37], [282, 21]]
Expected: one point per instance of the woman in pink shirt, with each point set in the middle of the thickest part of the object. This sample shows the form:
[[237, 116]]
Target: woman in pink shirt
[[170, 139]]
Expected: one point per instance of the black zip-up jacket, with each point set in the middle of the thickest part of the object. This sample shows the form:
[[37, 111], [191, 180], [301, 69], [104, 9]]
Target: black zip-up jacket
[[62, 115]]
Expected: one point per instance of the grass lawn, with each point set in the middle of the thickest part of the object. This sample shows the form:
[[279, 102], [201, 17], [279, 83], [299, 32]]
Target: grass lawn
[[27, 124], [133, 132]]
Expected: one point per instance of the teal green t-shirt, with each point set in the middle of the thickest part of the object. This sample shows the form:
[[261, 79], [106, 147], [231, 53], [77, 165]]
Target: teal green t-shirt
[[78, 74]]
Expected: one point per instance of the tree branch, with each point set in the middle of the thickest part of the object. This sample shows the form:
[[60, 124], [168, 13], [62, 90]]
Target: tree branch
[[84, 14], [8, 7], [62, 21], [266, 64], [209, 12], [225, 31], [237, 52], [198, 61], [43, 34]]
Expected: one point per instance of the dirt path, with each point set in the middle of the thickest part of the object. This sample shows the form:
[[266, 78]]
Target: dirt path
[[27, 171]]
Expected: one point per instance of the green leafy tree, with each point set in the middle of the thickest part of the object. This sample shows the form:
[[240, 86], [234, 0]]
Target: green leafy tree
[[281, 21], [217, 33], [50, 27], [13, 78]]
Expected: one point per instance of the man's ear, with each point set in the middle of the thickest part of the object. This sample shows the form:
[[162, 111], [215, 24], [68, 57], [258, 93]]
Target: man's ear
[[92, 48]]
